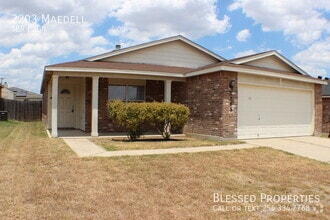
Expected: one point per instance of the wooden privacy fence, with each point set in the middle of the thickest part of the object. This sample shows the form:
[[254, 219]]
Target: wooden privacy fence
[[22, 110]]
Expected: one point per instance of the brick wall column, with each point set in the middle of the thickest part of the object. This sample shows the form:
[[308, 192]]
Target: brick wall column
[[326, 115], [318, 109], [213, 104]]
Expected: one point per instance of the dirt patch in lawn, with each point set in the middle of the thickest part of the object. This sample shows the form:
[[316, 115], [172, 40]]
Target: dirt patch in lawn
[[111, 144], [41, 178]]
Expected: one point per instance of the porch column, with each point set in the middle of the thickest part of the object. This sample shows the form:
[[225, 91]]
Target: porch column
[[167, 90], [54, 105], [95, 106]]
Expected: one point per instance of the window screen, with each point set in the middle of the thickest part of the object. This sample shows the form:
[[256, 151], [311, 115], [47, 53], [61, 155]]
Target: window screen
[[117, 92], [126, 93]]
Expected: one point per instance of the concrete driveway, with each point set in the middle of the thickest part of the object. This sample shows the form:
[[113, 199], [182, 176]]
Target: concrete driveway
[[312, 147]]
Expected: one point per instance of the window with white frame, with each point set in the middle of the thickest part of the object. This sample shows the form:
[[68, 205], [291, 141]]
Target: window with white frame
[[128, 93]]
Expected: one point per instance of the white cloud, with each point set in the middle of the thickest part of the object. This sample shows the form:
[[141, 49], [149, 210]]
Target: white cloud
[[235, 5], [302, 21], [245, 53], [34, 44], [92, 10], [315, 59], [24, 51], [147, 19], [22, 69], [243, 35]]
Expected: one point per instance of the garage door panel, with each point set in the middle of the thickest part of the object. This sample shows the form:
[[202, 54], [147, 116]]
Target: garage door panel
[[273, 112], [246, 132]]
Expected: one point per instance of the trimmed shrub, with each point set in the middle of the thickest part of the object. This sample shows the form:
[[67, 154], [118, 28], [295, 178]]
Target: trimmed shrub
[[163, 117]]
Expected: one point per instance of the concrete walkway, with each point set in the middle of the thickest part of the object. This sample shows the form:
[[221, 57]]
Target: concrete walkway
[[85, 148], [312, 147]]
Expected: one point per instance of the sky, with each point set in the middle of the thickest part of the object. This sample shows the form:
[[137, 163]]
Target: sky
[[37, 33]]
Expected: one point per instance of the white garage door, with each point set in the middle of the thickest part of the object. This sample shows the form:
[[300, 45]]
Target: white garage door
[[265, 111]]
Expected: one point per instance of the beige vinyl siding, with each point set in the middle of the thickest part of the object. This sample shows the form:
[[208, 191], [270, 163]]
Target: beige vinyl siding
[[271, 62], [169, 54]]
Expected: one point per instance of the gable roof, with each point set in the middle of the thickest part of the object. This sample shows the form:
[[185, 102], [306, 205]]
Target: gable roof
[[226, 66], [155, 43], [252, 64], [258, 56]]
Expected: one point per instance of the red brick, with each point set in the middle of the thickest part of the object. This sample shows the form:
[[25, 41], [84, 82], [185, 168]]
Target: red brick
[[318, 109], [326, 115], [208, 97]]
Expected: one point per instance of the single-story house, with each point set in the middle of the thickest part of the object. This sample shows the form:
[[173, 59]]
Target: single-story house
[[24, 95], [326, 108], [262, 95], [6, 93]]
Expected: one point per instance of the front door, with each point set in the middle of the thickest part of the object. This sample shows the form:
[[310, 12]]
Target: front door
[[66, 109]]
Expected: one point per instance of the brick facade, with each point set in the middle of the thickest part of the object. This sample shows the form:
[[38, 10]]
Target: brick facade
[[326, 115], [213, 104], [154, 92], [318, 109]]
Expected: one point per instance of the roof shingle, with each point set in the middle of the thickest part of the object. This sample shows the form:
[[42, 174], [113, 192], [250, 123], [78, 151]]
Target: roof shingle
[[122, 66]]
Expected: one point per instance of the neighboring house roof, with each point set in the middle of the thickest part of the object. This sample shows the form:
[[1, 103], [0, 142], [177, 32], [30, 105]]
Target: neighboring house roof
[[326, 90], [155, 43], [22, 93], [251, 58]]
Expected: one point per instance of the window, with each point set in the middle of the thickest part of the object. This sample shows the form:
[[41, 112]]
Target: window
[[117, 92], [65, 91], [126, 93]]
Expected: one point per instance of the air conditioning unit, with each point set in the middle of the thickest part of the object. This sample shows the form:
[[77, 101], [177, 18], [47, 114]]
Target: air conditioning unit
[[3, 116]]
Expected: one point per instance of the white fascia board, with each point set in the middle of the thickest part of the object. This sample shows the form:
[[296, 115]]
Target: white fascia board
[[204, 71], [155, 43], [117, 71], [253, 57], [271, 53], [294, 66], [197, 46], [255, 72]]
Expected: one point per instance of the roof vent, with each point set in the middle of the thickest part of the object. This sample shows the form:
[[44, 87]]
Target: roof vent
[[326, 78], [118, 47], [319, 77]]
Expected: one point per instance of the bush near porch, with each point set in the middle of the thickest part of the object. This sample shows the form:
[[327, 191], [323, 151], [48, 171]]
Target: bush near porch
[[161, 116]]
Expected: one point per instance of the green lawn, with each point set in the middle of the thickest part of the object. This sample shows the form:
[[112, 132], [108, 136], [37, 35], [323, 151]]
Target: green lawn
[[42, 178], [6, 127]]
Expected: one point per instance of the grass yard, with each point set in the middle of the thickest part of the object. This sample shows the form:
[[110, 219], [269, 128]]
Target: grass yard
[[42, 178], [158, 143], [6, 127]]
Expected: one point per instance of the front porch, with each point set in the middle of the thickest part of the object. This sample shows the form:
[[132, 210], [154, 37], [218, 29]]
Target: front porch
[[77, 103]]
